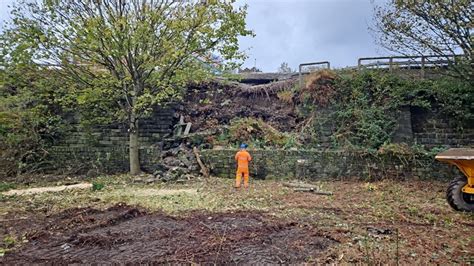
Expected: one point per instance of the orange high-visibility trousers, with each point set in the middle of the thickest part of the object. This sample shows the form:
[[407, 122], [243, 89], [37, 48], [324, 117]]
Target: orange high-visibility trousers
[[238, 177]]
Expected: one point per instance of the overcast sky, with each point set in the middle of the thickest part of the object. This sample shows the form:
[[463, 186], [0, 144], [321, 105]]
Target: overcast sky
[[300, 31]]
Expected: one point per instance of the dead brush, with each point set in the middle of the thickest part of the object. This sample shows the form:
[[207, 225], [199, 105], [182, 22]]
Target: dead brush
[[251, 129], [286, 96], [319, 87]]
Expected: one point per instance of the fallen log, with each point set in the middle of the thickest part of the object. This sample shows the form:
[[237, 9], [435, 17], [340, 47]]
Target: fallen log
[[299, 187], [295, 185], [268, 89], [313, 190], [38, 190]]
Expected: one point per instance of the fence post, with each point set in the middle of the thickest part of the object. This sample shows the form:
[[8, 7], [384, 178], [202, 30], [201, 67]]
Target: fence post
[[390, 62], [300, 76]]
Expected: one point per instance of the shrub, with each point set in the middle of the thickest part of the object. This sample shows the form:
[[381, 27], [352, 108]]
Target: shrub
[[259, 133], [96, 186]]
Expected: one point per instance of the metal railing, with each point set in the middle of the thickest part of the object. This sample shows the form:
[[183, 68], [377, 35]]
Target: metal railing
[[421, 62], [324, 64], [407, 62]]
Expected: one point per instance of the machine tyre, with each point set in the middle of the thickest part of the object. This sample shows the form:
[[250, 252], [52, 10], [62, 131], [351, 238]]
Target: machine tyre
[[456, 198]]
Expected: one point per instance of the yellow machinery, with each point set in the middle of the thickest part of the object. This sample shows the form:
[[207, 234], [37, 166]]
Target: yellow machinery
[[460, 193]]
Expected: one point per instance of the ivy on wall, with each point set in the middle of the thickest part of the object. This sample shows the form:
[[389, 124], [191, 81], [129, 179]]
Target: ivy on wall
[[367, 103]]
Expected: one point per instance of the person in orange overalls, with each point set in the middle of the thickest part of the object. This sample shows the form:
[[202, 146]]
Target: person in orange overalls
[[243, 158]]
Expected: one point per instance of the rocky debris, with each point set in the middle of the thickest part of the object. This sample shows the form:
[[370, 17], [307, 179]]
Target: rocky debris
[[177, 164]]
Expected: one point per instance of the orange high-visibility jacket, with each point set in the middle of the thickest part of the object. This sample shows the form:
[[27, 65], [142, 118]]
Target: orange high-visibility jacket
[[243, 158]]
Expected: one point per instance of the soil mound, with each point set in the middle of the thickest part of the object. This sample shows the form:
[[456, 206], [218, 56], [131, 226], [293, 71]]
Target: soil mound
[[212, 104]]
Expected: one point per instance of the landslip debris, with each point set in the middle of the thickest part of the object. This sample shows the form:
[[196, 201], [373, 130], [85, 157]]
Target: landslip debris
[[177, 164], [213, 104]]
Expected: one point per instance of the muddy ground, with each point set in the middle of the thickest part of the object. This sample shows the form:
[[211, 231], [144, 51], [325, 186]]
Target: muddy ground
[[123, 234], [384, 222]]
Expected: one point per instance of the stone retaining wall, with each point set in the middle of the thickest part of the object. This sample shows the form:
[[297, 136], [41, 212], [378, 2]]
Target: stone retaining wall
[[101, 159], [414, 126], [105, 148], [318, 164]]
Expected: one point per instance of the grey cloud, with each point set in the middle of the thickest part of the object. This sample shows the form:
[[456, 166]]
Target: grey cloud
[[297, 31], [306, 31]]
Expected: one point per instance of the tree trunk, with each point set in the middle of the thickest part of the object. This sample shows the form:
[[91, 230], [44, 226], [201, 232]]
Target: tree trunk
[[133, 146]]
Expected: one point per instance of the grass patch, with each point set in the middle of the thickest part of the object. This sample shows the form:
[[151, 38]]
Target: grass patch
[[6, 186], [96, 186]]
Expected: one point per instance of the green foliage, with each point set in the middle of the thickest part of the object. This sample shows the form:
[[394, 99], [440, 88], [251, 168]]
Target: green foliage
[[39, 105], [32, 114], [97, 103], [367, 104], [9, 241], [6, 186], [96, 186], [149, 49], [258, 134], [363, 113]]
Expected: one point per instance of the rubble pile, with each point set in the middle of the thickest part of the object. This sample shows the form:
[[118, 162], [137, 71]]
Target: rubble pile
[[177, 164]]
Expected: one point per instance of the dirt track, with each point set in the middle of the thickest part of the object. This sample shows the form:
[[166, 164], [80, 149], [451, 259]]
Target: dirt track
[[124, 234]]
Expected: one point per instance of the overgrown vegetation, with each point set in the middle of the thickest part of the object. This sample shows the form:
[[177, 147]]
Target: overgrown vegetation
[[33, 112], [366, 104], [256, 133], [37, 105]]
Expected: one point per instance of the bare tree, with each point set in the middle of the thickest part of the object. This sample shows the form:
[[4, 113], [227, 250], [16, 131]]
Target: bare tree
[[437, 27], [284, 68]]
